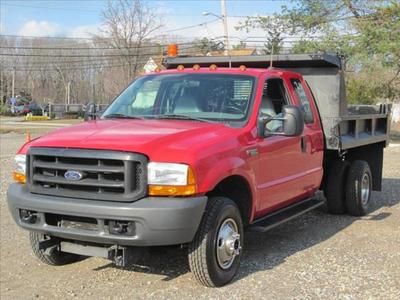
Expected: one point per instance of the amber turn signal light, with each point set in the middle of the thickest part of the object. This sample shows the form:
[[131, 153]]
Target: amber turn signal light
[[172, 190], [19, 177]]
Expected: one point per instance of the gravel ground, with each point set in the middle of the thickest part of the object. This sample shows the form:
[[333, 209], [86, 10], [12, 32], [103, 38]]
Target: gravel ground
[[314, 256]]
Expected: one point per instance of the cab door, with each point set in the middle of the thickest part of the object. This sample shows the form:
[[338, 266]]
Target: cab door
[[312, 137], [283, 165]]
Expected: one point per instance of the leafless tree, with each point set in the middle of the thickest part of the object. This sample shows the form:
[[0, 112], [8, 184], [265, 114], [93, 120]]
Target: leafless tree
[[127, 24]]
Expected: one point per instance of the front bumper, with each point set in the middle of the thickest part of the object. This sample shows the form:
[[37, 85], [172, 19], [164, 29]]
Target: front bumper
[[157, 220]]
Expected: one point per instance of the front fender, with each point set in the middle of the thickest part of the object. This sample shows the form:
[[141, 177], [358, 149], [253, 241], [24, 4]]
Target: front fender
[[224, 168]]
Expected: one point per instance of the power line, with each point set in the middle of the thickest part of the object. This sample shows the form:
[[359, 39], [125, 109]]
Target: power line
[[48, 7], [192, 26], [84, 10], [86, 48], [72, 55], [81, 67], [74, 48], [45, 37], [293, 38], [88, 38], [52, 65], [68, 55]]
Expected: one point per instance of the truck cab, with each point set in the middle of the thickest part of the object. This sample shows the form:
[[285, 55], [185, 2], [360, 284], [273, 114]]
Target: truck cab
[[195, 155]]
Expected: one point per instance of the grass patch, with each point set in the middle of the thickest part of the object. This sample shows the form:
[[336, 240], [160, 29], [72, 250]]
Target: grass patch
[[36, 118]]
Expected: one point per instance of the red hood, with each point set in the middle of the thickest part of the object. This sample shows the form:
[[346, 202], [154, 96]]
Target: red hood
[[158, 139]]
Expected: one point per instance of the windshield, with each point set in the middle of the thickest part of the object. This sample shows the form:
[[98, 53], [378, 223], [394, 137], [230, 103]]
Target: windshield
[[204, 97]]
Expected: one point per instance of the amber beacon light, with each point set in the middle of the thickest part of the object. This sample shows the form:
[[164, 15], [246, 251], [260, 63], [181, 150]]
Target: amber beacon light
[[172, 50]]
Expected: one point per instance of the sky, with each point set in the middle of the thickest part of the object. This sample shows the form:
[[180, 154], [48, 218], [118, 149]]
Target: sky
[[81, 18]]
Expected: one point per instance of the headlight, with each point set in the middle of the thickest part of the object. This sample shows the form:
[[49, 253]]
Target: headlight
[[170, 179], [19, 173], [167, 173]]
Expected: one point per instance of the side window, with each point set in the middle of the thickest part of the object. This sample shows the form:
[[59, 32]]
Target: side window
[[304, 101], [273, 99]]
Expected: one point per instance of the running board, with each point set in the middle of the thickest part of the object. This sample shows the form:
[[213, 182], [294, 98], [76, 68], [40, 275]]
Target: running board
[[286, 214]]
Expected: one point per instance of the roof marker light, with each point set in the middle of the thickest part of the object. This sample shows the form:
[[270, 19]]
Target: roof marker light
[[196, 67], [180, 68], [242, 68], [213, 67]]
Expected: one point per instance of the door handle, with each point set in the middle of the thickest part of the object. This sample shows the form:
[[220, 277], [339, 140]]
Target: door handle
[[252, 152], [303, 144]]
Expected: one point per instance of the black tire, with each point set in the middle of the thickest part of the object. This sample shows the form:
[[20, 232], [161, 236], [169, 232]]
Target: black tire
[[55, 257], [357, 202], [202, 255], [335, 187]]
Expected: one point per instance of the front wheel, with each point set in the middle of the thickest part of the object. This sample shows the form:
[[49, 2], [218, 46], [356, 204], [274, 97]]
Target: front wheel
[[214, 253], [54, 257]]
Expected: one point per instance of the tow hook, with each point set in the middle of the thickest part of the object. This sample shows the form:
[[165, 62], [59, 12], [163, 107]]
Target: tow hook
[[125, 256], [29, 216]]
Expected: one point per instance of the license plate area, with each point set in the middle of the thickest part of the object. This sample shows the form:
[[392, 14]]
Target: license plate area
[[71, 222]]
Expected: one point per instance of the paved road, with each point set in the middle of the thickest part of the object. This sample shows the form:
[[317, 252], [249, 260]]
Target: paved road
[[316, 256]]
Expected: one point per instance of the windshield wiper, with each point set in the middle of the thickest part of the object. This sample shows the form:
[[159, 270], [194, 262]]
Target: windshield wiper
[[120, 116], [181, 117]]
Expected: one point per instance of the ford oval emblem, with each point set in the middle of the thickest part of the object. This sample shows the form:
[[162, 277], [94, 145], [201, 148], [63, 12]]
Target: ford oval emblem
[[73, 175]]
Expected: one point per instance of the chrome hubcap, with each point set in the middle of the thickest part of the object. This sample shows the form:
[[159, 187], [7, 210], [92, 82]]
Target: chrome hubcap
[[228, 243], [365, 189]]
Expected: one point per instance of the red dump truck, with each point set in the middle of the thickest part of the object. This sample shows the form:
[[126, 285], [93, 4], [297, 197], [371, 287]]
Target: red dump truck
[[196, 155]]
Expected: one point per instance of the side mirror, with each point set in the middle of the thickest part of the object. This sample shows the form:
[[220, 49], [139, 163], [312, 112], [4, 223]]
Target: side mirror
[[292, 123], [90, 112]]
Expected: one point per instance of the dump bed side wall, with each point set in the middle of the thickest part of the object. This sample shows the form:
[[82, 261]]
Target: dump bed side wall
[[344, 127], [360, 130]]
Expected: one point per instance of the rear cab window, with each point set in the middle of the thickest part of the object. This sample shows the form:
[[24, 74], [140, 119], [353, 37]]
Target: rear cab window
[[304, 100]]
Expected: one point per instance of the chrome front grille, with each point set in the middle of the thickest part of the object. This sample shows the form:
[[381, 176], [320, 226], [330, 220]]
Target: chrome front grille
[[104, 175]]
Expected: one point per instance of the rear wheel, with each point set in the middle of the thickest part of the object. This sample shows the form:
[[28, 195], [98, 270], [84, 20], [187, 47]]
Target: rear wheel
[[214, 254], [335, 187], [53, 257], [358, 188]]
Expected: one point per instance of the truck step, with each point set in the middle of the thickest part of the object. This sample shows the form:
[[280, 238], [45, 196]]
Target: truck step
[[286, 214]]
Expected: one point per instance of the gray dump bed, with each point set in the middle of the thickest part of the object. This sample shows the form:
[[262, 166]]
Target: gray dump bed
[[344, 127]]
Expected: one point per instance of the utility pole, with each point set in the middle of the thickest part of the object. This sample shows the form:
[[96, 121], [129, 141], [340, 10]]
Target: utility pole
[[67, 97], [2, 87], [68, 92], [13, 84], [224, 19]]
